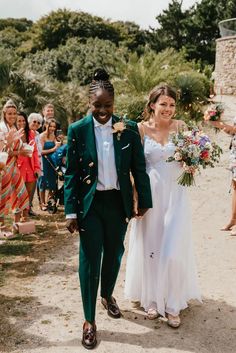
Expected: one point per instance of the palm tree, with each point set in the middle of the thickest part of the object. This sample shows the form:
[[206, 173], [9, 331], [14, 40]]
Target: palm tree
[[73, 100], [5, 73]]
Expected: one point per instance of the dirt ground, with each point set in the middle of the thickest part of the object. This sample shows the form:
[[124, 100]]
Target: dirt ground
[[40, 302]]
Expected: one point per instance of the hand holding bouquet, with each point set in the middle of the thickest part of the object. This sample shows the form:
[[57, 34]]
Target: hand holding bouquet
[[213, 114], [194, 150]]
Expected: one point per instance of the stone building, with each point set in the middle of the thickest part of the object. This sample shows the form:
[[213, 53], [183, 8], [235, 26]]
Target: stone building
[[225, 62]]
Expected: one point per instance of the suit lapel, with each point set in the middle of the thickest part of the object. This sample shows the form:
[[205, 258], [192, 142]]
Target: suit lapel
[[90, 139], [117, 146]]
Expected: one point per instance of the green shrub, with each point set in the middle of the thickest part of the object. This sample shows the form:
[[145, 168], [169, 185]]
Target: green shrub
[[193, 88]]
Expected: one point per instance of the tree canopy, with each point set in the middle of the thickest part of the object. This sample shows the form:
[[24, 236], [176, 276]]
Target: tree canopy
[[53, 58]]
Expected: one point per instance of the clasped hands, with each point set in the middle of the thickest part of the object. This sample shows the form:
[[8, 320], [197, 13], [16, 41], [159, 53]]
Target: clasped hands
[[137, 211], [72, 223]]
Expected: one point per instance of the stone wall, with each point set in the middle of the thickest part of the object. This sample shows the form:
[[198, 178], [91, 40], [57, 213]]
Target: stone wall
[[225, 66]]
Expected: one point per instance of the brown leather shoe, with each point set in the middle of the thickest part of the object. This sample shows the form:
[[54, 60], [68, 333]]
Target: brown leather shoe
[[89, 339], [111, 307]]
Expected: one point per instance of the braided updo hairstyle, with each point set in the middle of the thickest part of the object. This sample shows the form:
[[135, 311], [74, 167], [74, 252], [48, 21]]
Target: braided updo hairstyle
[[156, 92], [101, 81]]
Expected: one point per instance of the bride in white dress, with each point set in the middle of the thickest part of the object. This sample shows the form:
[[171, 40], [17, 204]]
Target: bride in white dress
[[160, 271]]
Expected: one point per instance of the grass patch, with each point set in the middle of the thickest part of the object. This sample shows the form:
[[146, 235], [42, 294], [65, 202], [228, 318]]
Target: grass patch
[[14, 248], [1, 278]]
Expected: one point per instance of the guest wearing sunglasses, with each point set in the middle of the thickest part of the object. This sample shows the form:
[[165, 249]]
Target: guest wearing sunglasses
[[35, 121]]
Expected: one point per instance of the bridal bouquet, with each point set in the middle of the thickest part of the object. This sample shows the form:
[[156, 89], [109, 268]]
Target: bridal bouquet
[[193, 150], [213, 113]]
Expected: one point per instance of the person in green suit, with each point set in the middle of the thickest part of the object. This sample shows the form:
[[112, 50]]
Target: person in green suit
[[103, 151]]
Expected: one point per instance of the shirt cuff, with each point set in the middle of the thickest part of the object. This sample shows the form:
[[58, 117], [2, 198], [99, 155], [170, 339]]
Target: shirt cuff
[[71, 216]]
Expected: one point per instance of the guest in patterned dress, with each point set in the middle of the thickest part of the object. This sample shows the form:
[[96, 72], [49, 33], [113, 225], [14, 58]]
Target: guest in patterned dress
[[29, 166], [14, 195]]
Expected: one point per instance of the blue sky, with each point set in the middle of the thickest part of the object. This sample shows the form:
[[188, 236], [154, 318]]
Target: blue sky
[[143, 12]]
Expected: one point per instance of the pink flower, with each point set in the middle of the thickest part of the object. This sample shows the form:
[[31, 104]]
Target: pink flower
[[212, 113]]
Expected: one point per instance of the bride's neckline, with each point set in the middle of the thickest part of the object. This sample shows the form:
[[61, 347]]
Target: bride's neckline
[[157, 142], [153, 138]]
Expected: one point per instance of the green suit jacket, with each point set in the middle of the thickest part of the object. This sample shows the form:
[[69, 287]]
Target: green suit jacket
[[82, 167]]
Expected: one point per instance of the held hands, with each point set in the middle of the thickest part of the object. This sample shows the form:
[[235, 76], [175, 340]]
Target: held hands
[[139, 212], [72, 225]]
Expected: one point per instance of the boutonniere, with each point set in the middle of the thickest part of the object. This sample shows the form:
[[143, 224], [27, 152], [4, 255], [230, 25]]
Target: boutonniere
[[118, 128]]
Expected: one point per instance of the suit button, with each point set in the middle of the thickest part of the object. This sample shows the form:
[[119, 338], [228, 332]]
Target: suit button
[[88, 181]]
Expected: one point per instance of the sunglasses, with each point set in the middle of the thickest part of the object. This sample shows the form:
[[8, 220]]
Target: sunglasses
[[36, 122]]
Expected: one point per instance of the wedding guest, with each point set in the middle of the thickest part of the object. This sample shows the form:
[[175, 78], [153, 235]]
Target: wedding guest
[[14, 195], [6, 141], [29, 166], [48, 181], [48, 113], [231, 130], [35, 121], [160, 271], [102, 151]]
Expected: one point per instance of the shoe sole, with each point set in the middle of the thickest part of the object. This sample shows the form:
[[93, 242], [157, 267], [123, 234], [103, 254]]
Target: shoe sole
[[89, 346]]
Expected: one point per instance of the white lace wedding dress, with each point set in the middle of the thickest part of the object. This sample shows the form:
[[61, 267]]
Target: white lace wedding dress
[[160, 268]]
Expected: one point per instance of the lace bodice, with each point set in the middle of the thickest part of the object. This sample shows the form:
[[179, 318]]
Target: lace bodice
[[155, 152]]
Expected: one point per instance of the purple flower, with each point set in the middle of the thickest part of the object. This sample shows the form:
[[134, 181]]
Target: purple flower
[[203, 140]]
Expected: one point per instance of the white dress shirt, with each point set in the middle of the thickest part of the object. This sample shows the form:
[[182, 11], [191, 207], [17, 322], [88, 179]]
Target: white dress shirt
[[107, 175]]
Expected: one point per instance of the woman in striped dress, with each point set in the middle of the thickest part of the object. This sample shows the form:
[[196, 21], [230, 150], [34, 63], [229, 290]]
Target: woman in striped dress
[[14, 195]]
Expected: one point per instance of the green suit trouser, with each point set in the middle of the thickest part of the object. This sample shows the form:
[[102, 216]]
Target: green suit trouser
[[102, 234]]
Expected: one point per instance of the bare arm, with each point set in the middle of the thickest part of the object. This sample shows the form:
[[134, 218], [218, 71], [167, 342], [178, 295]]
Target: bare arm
[[50, 150], [141, 130], [228, 129]]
